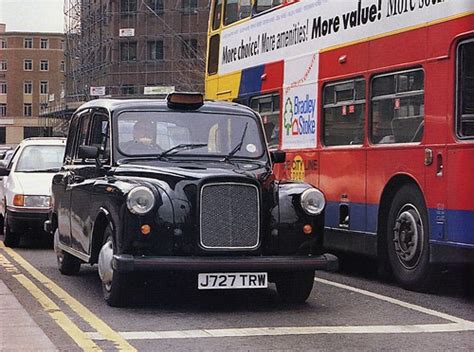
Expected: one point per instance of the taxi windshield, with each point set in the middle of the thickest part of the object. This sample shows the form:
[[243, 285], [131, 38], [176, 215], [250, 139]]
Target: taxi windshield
[[189, 133]]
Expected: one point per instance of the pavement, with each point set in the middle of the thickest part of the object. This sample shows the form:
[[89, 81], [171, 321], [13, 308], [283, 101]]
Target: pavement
[[18, 331]]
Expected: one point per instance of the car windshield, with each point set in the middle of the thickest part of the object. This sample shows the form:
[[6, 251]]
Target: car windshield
[[41, 158], [189, 133]]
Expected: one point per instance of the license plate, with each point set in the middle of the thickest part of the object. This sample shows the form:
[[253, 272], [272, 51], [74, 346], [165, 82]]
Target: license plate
[[219, 281]]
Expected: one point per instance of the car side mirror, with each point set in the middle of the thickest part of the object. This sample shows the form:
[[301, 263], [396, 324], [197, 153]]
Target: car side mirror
[[88, 152], [4, 171], [278, 156]]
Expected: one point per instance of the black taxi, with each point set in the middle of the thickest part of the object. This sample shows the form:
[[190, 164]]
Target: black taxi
[[183, 186]]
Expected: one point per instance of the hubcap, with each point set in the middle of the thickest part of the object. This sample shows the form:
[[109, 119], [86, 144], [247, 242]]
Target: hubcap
[[408, 236], [106, 271]]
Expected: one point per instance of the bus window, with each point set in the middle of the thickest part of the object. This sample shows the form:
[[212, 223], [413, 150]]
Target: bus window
[[465, 87], [216, 18], [236, 10], [268, 106], [264, 5], [343, 113], [213, 58], [397, 107]]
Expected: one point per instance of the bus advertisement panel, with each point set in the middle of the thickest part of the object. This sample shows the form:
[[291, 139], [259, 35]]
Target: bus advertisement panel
[[373, 102]]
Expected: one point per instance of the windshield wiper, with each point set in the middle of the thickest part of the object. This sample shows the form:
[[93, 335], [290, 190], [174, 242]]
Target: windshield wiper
[[183, 146], [238, 146]]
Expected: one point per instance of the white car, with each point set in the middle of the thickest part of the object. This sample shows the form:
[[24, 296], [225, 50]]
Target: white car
[[26, 194]]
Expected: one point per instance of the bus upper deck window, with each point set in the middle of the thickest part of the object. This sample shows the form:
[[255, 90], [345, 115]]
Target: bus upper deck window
[[216, 18], [264, 5], [236, 10], [213, 55]]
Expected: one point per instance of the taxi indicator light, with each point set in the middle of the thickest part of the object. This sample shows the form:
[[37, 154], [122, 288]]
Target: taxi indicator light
[[185, 101], [145, 229], [308, 229], [19, 200]]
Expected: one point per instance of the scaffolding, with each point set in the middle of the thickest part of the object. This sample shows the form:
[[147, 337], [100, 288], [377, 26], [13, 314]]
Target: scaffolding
[[132, 48]]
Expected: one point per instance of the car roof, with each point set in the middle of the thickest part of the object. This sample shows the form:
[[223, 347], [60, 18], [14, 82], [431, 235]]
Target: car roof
[[43, 141], [147, 104]]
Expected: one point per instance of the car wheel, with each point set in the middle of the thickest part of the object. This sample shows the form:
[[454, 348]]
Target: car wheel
[[408, 239], [67, 263], [295, 287], [11, 239], [113, 282]]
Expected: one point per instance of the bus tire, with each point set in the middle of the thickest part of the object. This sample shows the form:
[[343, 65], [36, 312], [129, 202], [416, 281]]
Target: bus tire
[[408, 239]]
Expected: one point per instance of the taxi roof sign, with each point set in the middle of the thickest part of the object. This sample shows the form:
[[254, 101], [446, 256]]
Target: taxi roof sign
[[185, 100]]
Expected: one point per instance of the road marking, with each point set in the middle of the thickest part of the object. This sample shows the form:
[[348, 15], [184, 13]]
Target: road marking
[[90, 318], [61, 319], [281, 331], [395, 301], [456, 325]]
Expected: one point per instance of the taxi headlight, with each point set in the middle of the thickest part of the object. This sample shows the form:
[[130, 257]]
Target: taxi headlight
[[312, 201], [140, 200]]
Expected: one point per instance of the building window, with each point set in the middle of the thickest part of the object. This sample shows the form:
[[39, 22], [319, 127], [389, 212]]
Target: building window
[[3, 65], [44, 43], [28, 65], [28, 43], [3, 110], [189, 6], [343, 113], [127, 6], [63, 44], [3, 87], [62, 66], [128, 51], [27, 110], [3, 44], [155, 50], [44, 65], [156, 5], [44, 87], [465, 89], [3, 135], [236, 10], [189, 48], [128, 89], [28, 87], [33, 131], [62, 90], [397, 107]]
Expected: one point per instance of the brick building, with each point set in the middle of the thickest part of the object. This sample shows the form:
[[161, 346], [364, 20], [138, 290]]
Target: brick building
[[32, 76]]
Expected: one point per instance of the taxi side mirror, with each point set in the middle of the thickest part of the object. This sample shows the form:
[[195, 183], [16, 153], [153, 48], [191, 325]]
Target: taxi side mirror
[[278, 156], [88, 152]]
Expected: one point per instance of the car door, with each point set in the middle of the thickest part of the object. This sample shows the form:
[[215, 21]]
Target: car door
[[85, 174], [60, 185]]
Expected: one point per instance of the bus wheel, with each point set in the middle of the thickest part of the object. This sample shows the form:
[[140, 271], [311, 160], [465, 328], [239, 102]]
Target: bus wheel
[[407, 239]]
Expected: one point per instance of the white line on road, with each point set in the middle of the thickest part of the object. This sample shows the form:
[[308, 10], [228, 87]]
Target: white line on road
[[456, 325]]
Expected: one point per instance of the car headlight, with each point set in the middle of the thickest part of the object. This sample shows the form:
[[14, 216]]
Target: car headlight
[[313, 201], [21, 200], [140, 200]]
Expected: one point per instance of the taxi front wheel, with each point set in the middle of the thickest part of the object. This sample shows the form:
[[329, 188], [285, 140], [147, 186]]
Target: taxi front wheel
[[113, 283], [295, 287]]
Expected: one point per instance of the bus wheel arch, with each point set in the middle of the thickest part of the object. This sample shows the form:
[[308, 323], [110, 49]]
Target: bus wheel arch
[[403, 233]]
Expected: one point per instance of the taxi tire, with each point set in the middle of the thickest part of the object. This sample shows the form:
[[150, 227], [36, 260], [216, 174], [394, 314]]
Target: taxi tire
[[116, 294], [420, 275], [67, 263], [11, 239], [295, 287]]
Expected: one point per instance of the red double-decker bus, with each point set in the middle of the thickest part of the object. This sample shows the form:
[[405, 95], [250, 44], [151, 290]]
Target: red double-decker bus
[[373, 101]]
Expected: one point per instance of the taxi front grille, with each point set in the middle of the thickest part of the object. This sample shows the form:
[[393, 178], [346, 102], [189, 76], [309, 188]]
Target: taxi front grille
[[229, 216]]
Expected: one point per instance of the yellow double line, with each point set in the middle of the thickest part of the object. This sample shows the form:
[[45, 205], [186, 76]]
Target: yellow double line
[[79, 336]]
